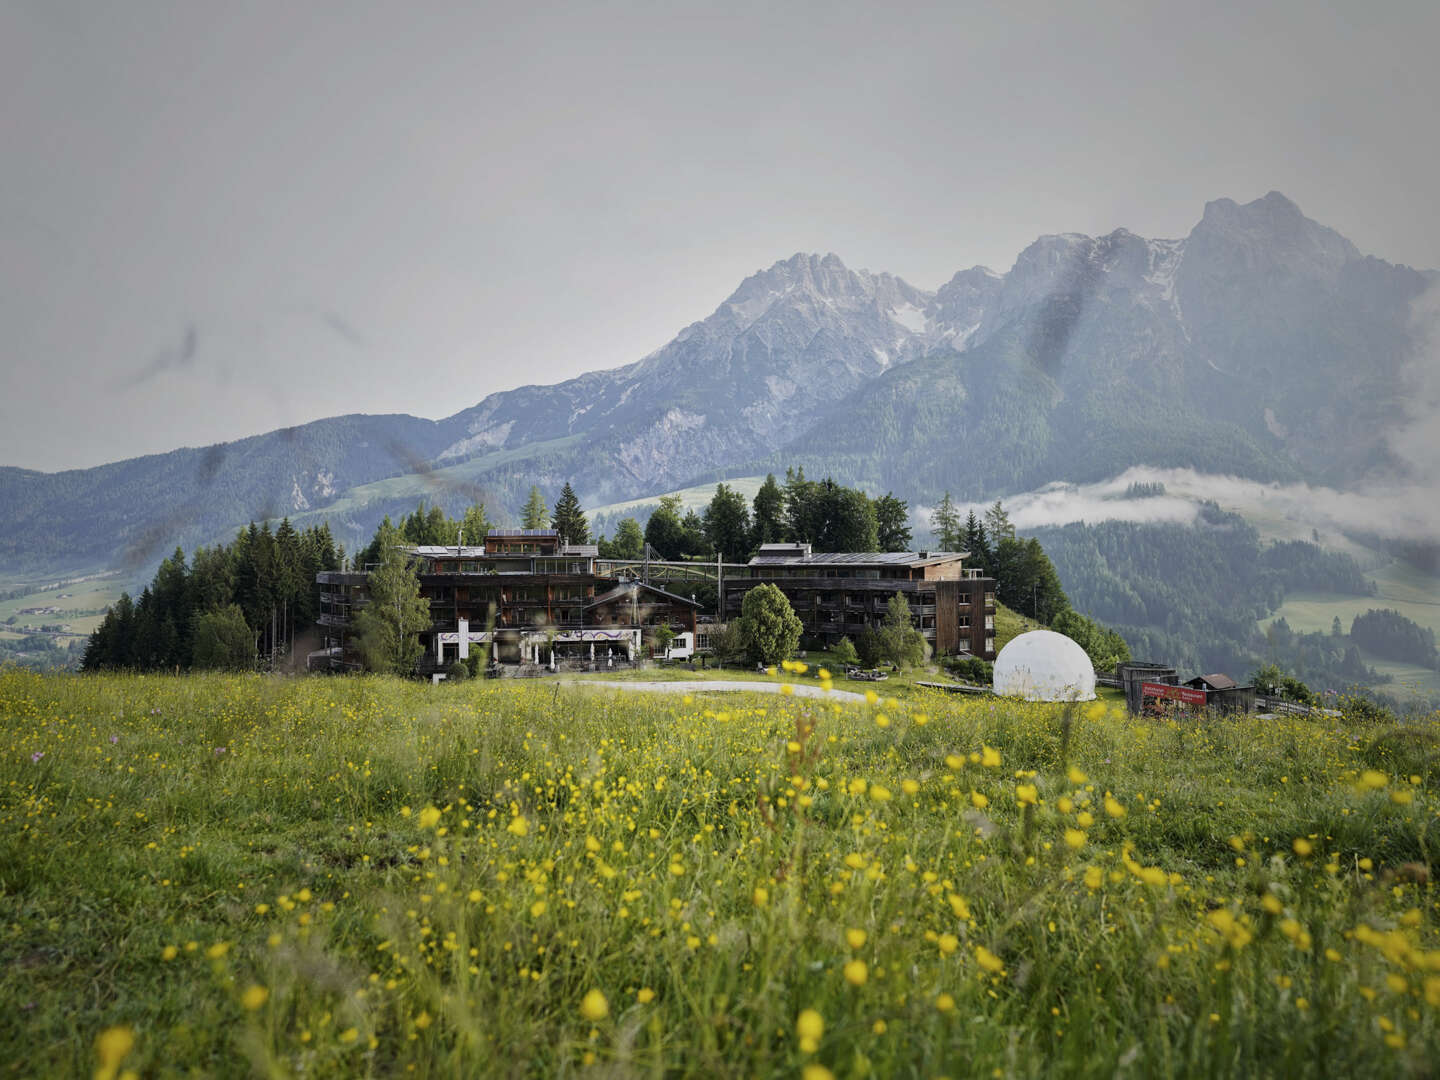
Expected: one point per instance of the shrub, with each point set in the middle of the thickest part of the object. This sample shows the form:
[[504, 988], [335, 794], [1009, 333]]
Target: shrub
[[844, 653]]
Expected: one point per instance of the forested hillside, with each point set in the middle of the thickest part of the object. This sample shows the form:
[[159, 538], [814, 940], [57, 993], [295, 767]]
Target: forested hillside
[[1191, 595]]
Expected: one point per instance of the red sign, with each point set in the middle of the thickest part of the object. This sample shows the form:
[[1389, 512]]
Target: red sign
[[1175, 693]]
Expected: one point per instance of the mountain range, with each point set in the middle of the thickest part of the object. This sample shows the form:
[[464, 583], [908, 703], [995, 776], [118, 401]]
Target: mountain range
[[1261, 345]]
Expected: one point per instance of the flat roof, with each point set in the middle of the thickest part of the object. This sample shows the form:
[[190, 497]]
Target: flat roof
[[523, 532], [907, 559]]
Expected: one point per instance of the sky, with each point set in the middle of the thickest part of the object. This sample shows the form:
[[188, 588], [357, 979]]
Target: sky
[[219, 219]]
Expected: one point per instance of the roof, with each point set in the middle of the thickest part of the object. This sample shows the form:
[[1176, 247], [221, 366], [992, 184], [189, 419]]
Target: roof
[[1216, 681], [624, 590], [437, 551], [772, 555], [586, 550], [523, 532]]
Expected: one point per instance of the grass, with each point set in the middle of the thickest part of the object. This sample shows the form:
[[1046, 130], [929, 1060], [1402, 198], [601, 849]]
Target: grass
[[1402, 587], [695, 498], [244, 875]]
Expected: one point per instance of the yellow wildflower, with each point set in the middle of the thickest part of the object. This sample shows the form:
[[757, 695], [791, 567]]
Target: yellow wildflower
[[593, 1006]]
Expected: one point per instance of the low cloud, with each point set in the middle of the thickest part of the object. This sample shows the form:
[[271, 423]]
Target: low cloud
[[1398, 512]]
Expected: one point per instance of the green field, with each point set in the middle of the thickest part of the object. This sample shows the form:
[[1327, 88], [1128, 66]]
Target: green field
[[233, 876], [1401, 587], [84, 596], [695, 498]]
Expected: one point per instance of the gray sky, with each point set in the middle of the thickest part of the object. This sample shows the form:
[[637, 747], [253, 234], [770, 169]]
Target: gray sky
[[221, 218]]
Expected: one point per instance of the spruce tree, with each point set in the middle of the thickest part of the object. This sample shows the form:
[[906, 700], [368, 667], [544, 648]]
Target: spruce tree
[[727, 524], [768, 517], [569, 520], [892, 520]]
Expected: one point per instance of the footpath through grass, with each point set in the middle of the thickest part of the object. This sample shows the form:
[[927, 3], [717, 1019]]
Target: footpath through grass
[[237, 876]]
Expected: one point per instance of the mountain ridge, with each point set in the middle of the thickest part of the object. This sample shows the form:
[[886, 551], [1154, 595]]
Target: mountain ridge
[[1261, 341]]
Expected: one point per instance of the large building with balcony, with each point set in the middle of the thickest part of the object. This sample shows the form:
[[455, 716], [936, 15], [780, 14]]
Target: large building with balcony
[[525, 594], [843, 595]]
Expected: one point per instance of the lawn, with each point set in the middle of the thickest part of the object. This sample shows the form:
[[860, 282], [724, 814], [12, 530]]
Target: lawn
[[247, 875]]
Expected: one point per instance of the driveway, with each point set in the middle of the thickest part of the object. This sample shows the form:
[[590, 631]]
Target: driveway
[[701, 686]]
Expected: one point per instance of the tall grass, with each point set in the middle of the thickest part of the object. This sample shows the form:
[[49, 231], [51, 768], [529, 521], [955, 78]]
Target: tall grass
[[336, 877]]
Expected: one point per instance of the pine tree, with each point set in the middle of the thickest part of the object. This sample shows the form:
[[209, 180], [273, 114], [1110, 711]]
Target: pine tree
[[768, 517], [800, 524], [727, 524], [534, 515], [892, 520], [945, 524], [569, 520], [977, 544]]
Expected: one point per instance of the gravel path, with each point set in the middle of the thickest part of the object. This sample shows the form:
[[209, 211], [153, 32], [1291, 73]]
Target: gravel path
[[700, 686]]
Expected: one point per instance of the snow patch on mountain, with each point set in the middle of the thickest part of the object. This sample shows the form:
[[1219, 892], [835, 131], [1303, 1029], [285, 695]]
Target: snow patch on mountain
[[910, 317]]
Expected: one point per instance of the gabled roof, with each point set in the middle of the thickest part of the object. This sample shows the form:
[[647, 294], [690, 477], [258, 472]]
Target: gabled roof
[[1215, 681], [621, 591]]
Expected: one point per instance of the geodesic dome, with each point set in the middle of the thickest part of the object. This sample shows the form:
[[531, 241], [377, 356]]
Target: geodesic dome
[[1044, 666]]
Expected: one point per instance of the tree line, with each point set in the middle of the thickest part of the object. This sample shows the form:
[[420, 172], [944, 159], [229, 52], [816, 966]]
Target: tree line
[[232, 606]]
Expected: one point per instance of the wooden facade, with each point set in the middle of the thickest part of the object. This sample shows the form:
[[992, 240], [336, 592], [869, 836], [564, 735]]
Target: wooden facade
[[525, 593], [845, 594]]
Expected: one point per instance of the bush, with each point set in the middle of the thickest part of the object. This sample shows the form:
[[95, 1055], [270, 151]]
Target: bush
[[458, 671], [844, 653], [726, 643], [972, 668]]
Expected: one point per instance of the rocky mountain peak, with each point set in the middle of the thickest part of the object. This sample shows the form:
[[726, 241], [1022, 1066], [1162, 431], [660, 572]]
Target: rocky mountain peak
[[1270, 232], [811, 278]]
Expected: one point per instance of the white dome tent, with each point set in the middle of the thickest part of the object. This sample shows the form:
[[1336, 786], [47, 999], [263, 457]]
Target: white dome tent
[[1042, 665]]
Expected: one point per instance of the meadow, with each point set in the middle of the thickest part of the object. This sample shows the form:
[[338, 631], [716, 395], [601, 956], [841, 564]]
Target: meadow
[[244, 875]]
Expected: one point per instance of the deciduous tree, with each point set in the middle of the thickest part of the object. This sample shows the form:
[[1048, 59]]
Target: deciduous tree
[[768, 625], [388, 627]]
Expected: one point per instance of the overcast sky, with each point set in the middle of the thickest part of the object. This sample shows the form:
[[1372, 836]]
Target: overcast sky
[[222, 218]]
